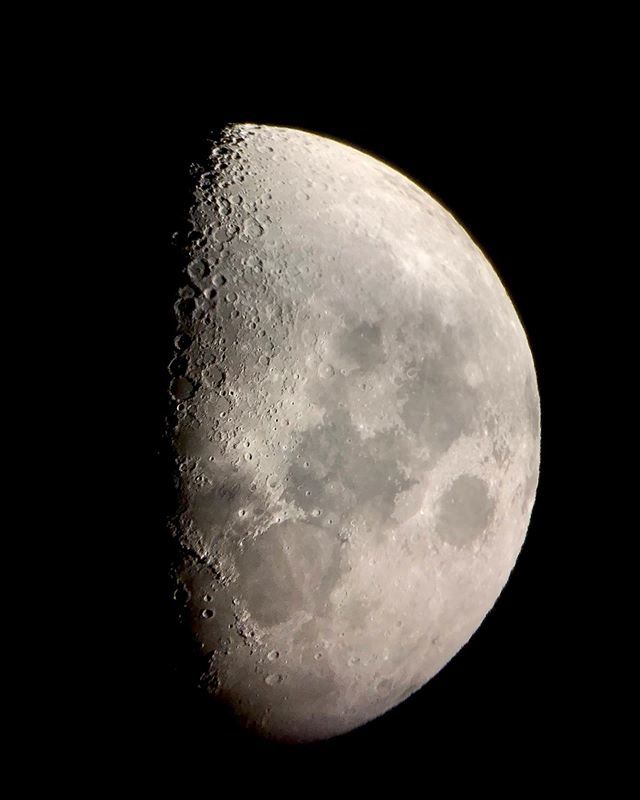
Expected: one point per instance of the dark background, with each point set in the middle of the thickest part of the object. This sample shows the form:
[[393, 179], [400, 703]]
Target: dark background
[[507, 161]]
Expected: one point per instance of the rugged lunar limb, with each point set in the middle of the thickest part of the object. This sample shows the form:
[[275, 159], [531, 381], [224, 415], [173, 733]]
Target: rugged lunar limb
[[356, 433]]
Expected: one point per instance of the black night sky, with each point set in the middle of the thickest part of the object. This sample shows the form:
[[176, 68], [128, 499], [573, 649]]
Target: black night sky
[[505, 160]]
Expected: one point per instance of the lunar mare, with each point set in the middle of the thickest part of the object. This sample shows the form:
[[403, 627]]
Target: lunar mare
[[356, 433]]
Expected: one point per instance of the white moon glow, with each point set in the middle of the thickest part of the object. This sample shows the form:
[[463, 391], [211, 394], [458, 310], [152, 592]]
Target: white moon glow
[[356, 433]]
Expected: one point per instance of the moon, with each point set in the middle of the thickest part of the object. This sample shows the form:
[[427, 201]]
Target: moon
[[356, 430]]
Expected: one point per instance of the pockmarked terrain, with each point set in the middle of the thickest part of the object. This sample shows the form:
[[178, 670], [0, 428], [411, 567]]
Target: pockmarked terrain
[[356, 433]]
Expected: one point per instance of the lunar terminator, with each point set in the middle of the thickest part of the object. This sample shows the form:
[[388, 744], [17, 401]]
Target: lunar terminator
[[356, 433]]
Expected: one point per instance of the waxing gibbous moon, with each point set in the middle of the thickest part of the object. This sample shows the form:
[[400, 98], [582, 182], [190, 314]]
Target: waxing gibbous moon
[[356, 433]]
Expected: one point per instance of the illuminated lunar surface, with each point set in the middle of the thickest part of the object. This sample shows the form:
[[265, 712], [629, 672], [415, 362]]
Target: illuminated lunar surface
[[356, 433]]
